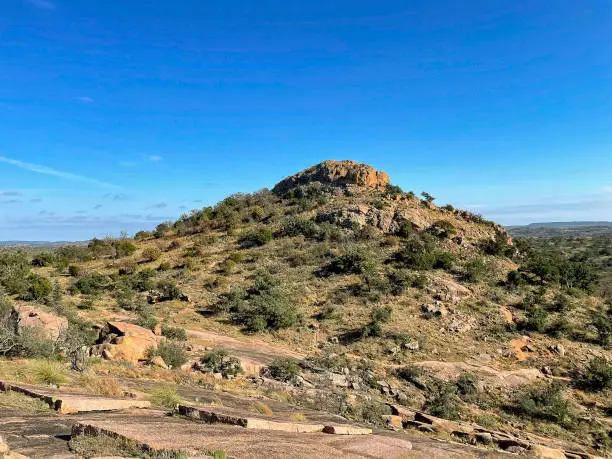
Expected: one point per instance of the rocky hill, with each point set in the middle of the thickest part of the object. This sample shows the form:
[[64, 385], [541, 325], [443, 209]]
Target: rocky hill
[[334, 294]]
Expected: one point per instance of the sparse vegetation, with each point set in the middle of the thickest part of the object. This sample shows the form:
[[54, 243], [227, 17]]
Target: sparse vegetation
[[166, 397], [340, 274], [283, 369], [171, 352]]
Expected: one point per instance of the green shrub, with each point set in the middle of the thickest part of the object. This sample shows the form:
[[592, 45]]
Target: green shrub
[[393, 190], [410, 373], [560, 328], [475, 271], [123, 248], [546, 403], [516, 279], [256, 238], [31, 343], [169, 290], [151, 253], [14, 269], [91, 284], [442, 229], [38, 288], [405, 230], [161, 230], [43, 259], [219, 361], [174, 333], [603, 324], [444, 260], [499, 246], [268, 310], [417, 254], [536, 318], [142, 235], [467, 385], [379, 316], [297, 226], [173, 353], [146, 319], [283, 369], [444, 402], [596, 376], [74, 270], [353, 262]]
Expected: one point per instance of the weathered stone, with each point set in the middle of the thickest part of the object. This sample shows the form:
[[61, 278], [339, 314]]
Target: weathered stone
[[51, 325], [405, 413], [337, 379], [70, 403], [432, 310], [126, 329], [337, 173], [443, 425], [159, 362], [346, 430], [506, 314], [557, 349], [544, 452], [412, 345], [122, 341], [3, 445], [393, 421], [484, 437], [158, 433]]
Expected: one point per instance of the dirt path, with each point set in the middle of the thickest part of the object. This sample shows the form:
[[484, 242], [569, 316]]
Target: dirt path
[[252, 348]]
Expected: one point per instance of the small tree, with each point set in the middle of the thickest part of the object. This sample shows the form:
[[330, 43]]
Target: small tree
[[151, 253], [427, 197], [283, 369]]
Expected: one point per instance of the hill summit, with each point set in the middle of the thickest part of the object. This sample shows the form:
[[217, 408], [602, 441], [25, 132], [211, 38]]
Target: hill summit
[[336, 173]]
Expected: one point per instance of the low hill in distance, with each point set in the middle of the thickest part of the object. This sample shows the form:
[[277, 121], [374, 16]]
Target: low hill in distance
[[334, 295], [563, 229]]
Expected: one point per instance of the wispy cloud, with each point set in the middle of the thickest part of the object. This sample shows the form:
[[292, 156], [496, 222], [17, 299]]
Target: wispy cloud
[[36, 200], [97, 206], [10, 193], [42, 4], [85, 99], [12, 201], [159, 205], [50, 171], [116, 196], [154, 158], [128, 163]]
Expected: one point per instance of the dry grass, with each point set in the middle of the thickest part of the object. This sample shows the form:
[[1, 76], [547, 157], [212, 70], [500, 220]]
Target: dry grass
[[100, 385], [166, 397], [262, 408], [22, 404], [298, 417], [49, 372]]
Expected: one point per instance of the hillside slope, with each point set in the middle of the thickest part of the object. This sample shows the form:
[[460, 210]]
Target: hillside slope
[[382, 297]]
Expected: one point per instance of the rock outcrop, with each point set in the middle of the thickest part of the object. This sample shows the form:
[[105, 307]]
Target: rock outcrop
[[50, 325], [336, 173], [122, 341]]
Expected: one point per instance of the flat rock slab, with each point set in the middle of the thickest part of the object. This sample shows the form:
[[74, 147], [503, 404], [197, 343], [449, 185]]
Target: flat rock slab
[[222, 415], [156, 432], [70, 403]]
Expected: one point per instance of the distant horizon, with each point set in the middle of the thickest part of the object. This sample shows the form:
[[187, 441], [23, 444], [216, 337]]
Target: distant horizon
[[70, 241], [120, 115]]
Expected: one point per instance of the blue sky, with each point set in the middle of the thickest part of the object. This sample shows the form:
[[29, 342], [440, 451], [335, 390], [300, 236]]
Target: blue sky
[[116, 115]]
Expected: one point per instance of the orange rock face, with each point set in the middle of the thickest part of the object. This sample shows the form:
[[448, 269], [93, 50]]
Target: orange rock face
[[50, 324], [336, 173]]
